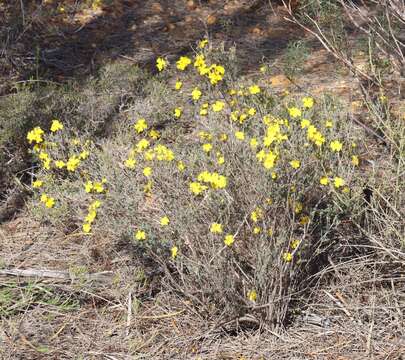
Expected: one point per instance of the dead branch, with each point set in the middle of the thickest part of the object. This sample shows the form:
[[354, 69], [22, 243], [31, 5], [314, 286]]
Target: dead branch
[[54, 274]]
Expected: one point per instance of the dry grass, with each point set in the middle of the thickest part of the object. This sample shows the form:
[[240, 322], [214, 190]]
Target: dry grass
[[354, 311]]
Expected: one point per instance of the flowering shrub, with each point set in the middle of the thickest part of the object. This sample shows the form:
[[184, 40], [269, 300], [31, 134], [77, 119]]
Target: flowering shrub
[[230, 188]]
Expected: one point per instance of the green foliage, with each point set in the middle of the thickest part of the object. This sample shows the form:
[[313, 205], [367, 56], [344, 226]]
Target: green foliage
[[93, 107], [17, 298], [294, 58]]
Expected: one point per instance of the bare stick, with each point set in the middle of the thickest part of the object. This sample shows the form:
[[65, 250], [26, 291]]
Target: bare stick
[[129, 315], [54, 274], [22, 12], [340, 304]]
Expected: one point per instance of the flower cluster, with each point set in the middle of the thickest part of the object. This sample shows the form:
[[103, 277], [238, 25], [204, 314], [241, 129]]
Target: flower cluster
[[35, 135], [290, 146], [215, 180], [91, 216]]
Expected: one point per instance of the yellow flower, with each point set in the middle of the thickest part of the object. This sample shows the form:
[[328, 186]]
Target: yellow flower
[[84, 155], [324, 180], [256, 214], [308, 102], [149, 155], [164, 221], [181, 166], [346, 190], [43, 156], [56, 125], [88, 186], [161, 64], [214, 179], [163, 153], [252, 111], [295, 164], [203, 43], [218, 106], [197, 188], [140, 125], [154, 134], [254, 89], [147, 171], [35, 135], [253, 143], [295, 244], [242, 118], [203, 111], [50, 202], [252, 295], [215, 73], [183, 62], [256, 230], [328, 124], [220, 159], [304, 220], [130, 163], [72, 163], [205, 135], [314, 135], [216, 228], [178, 85], [294, 112], [196, 94], [298, 207], [95, 205], [178, 112], [86, 228], [60, 164], [199, 63], [174, 250], [240, 135], [274, 175], [269, 160], [261, 155], [355, 160], [140, 235], [37, 184], [91, 216], [338, 182], [142, 145], [287, 257], [98, 187], [336, 145], [234, 115], [207, 147], [223, 137], [229, 240], [305, 123], [37, 147], [147, 189]]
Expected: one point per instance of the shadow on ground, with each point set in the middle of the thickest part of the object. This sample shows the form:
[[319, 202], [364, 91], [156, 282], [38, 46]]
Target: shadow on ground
[[58, 43]]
